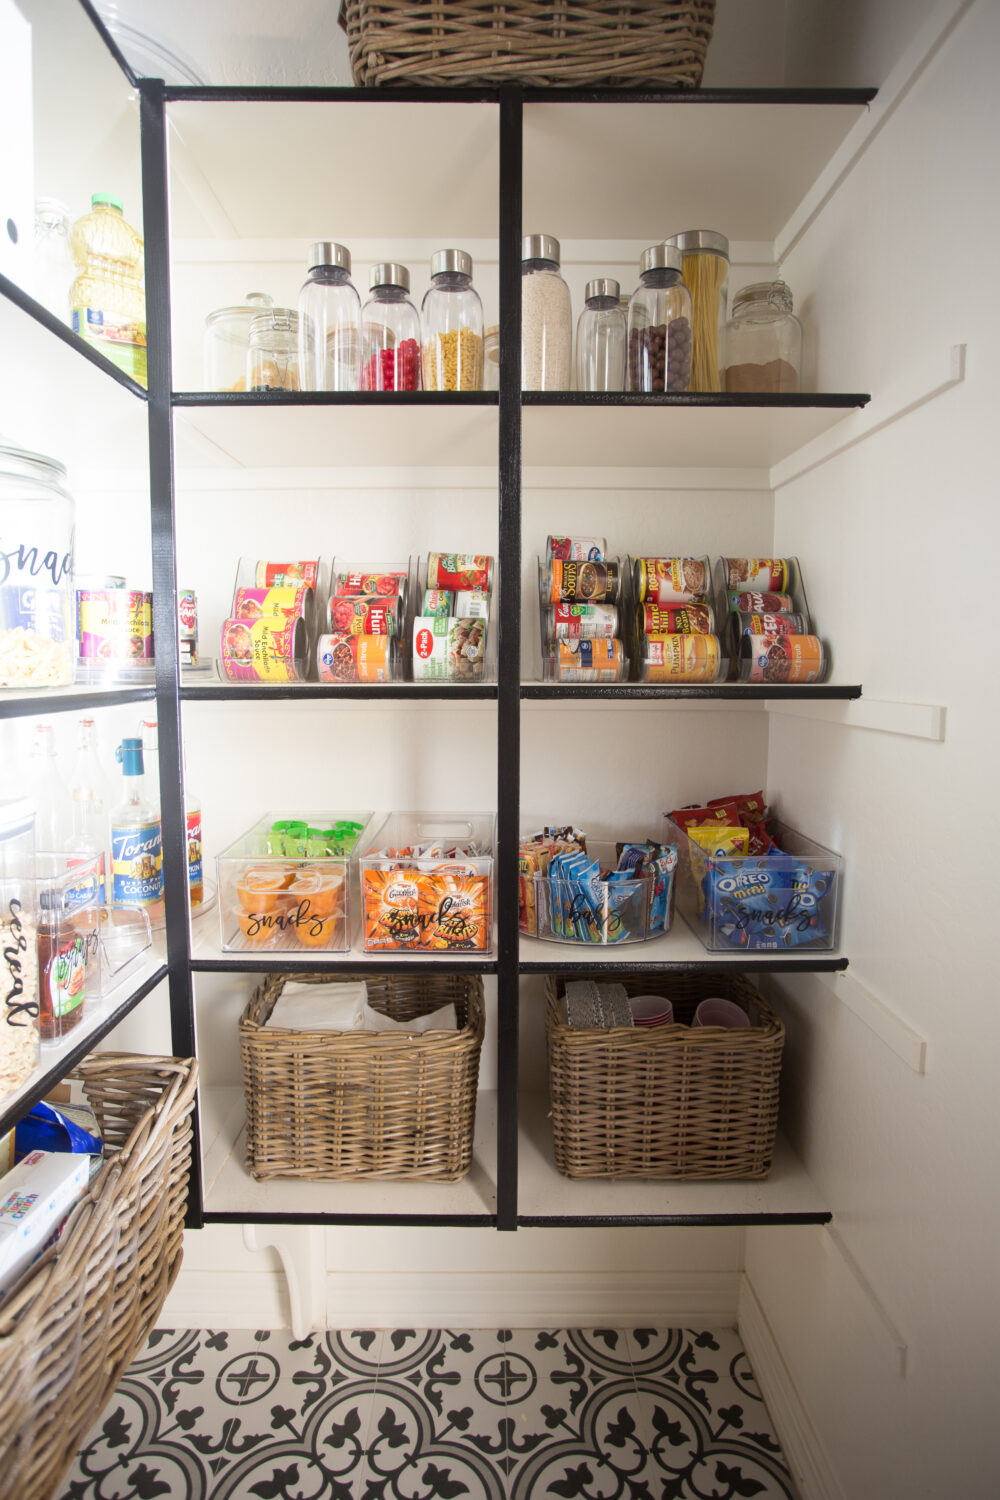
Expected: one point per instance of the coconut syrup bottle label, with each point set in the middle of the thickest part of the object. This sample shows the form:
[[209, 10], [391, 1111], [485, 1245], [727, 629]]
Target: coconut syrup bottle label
[[136, 841]]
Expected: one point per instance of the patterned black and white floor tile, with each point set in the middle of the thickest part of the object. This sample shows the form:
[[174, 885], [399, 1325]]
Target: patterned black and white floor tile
[[403, 1414]]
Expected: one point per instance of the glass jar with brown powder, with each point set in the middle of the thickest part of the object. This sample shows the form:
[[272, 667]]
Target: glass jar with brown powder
[[763, 341]]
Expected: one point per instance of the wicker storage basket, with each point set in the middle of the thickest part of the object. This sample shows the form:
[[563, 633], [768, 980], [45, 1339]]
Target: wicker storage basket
[[570, 42], [357, 1105], [666, 1101], [77, 1318]]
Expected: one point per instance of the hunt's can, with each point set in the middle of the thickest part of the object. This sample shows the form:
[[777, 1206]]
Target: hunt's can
[[752, 602], [364, 614], [472, 604], [358, 658], [782, 658], [584, 582], [590, 661], [768, 575], [671, 580], [291, 600], [269, 575], [379, 585], [575, 548], [439, 602], [582, 622], [453, 650], [676, 619], [680, 658], [459, 570], [793, 624], [187, 620], [271, 648]]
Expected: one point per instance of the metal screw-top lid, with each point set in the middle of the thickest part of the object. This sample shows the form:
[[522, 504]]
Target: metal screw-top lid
[[389, 274], [276, 319], [602, 286], [451, 260], [700, 239], [329, 253], [665, 257], [540, 247], [775, 293]]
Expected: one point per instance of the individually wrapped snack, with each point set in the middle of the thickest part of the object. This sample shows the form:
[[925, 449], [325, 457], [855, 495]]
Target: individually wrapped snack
[[750, 806], [714, 815]]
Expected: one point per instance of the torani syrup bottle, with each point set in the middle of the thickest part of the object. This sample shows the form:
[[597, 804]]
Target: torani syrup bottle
[[136, 843]]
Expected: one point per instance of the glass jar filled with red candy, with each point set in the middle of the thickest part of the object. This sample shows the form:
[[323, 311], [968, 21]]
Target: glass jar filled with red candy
[[390, 333]]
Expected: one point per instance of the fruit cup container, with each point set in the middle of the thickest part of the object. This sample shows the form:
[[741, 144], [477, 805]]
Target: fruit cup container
[[420, 893], [285, 885]]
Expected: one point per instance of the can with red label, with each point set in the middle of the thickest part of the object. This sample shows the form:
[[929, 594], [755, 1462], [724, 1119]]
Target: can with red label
[[358, 658], [769, 575], [291, 600], [590, 661], [587, 622], [459, 570], [782, 658], [575, 548], [793, 624], [440, 602], [187, 619], [680, 658], [269, 649], [676, 619], [471, 604], [752, 603], [379, 585], [269, 575], [584, 582], [364, 615], [671, 580], [452, 650]]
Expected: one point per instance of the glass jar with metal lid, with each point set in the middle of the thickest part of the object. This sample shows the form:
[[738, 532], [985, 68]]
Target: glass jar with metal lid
[[37, 518], [491, 358], [546, 317], [329, 322], [763, 340], [659, 324], [390, 332], [227, 342], [273, 357], [705, 268], [600, 338], [451, 316]]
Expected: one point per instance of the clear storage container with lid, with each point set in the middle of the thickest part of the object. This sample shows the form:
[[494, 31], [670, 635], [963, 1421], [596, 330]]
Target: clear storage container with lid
[[37, 517], [451, 316], [763, 340], [108, 297], [546, 317], [52, 272], [659, 324], [600, 339], [705, 269], [227, 343], [273, 357], [390, 332], [19, 1034], [329, 321], [491, 358]]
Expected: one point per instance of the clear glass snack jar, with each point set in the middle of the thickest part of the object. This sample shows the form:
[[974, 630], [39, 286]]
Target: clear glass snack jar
[[53, 271], [706, 275], [19, 1040], [451, 317], [390, 332], [491, 358], [659, 324], [763, 340], [546, 317], [600, 339], [273, 356], [37, 517], [226, 343], [329, 321]]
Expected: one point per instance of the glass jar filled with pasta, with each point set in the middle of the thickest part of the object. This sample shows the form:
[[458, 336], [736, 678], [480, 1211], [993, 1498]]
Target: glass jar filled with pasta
[[705, 268], [763, 341], [37, 603], [451, 316], [659, 324]]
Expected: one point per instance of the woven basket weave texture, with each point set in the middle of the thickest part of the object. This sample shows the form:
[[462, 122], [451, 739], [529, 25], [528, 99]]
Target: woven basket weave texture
[[75, 1321], [364, 1104], [666, 1101], [573, 43]]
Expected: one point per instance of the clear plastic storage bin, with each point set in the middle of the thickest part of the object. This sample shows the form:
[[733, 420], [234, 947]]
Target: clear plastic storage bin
[[603, 913], [427, 883]]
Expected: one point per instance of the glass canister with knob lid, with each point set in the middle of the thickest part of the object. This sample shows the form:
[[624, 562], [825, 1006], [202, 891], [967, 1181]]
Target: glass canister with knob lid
[[329, 321], [37, 518], [600, 339], [659, 324], [52, 257], [273, 356], [390, 332], [451, 316], [763, 341], [705, 268], [227, 343], [546, 317]]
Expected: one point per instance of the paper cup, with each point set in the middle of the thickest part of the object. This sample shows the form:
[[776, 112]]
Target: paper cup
[[719, 1012], [651, 1010]]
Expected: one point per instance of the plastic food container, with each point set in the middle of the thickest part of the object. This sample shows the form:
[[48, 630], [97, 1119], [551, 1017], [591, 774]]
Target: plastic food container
[[775, 903], [285, 885], [427, 883], [606, 913]]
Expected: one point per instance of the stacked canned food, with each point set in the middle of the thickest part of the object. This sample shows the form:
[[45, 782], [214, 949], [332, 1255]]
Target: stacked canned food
[[770, 622], [450, 632], [366, 616], [582, 611], [675, 621], [114, 627], [266, 636]]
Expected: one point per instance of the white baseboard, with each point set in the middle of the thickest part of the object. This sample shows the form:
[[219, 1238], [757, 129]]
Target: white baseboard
[[226, 1299], [804, 1452]]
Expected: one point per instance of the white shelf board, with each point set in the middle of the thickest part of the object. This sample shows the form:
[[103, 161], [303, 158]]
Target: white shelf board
[[206, 948], [543, 1192], [303, 437], [700, 166], [680, 946], [230, 1189], [371, 169]]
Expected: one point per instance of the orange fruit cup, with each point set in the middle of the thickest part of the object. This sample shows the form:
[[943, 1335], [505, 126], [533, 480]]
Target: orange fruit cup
[[319, 893], [259, 933], [318, 932], [263, 890]]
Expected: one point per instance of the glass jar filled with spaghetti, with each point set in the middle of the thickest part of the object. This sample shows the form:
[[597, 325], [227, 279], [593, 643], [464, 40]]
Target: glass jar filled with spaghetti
[[705, 267]]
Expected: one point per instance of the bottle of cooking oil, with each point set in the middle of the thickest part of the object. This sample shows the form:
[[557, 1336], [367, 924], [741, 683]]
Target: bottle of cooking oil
[[108, 297]]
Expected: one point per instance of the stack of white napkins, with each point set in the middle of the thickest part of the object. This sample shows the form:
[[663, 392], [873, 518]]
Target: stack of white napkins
[[344, 1007]]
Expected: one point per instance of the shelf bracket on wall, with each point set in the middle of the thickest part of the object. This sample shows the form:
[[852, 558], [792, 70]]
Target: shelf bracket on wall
[[880, 1018], [833, 1236], [301, 1251], [921, 383], [921, 721]]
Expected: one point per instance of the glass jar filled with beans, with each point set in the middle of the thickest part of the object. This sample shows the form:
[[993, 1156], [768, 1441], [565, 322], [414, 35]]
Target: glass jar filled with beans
[[451, 317], [659, 324]]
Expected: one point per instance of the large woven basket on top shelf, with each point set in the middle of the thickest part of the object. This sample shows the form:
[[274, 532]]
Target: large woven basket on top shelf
[[573, 43], [666, 1101], [75, 1321], [357, 1105]]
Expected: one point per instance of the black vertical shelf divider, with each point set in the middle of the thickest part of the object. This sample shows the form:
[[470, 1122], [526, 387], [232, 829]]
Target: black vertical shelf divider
[[163, 522], [509, 653]]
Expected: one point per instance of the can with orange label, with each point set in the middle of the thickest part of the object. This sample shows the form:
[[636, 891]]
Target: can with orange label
[[680, 658], [586, 582], [269, 575], [590, 661], [291, 600], [769, 575], [671, 580], [269, 649], [358, 658], [676, 619], [782, 658]]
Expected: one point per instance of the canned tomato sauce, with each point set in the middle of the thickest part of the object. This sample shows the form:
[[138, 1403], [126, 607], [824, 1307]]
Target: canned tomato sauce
[[671, 580], [459, 570], [269, 575], [583, 582], [680, 658], [187, 615], [381, 585], [575, 548], [269, 649], [574, 622], [676, 619], [782, 658], [590, 661], [769, 575], [364, 615], [358, 658]]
